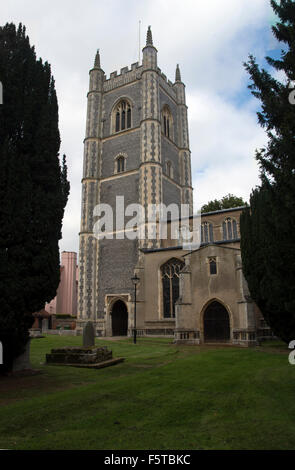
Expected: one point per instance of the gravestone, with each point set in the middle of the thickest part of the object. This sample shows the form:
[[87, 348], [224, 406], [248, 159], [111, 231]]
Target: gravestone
[[44, 325], [86, 356], [88, 335]]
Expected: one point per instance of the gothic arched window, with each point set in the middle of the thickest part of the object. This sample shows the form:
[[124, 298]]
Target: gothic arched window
[[167, 122], [120, 164], [122, 116], [170, 282], [206, 232], [212, 266], [229, 229]]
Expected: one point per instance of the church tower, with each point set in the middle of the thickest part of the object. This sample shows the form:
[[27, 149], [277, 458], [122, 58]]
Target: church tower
[[136, 150]]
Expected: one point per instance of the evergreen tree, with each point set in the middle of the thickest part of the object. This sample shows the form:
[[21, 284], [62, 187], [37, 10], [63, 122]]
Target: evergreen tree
[[227, 202], [267, 227], [33, 188]]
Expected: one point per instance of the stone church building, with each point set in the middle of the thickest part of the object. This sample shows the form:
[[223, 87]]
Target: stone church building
[[137, 146]]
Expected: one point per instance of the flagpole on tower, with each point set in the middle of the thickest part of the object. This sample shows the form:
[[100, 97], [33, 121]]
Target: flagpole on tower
[[139, 42]]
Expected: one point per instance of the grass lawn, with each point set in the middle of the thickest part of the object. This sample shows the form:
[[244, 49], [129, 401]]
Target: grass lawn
[[162, 397]]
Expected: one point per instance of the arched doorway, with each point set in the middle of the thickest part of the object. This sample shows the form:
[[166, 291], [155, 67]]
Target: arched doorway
[[216, 323], [119, 319]]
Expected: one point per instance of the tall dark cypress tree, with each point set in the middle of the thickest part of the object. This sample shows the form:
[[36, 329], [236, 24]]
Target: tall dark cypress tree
[[33, 189], [268, 226]]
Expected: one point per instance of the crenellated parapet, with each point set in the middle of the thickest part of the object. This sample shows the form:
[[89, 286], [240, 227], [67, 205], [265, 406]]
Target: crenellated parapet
[[125, 77]]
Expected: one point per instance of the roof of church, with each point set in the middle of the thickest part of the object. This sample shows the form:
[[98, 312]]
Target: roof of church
[[232, 209], [223, 210], [220, 244], [202, 245]]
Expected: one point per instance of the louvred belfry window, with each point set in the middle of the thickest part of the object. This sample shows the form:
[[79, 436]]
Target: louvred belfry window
[[166, 118], [122, 116]]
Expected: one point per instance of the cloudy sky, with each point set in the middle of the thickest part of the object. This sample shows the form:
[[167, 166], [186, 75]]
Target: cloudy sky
[[210, 40]]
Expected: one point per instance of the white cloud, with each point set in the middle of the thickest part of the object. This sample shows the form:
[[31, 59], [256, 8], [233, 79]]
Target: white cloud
[[223, 143]]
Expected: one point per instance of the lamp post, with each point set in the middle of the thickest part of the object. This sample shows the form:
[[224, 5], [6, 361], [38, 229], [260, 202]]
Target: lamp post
[[135, 279]]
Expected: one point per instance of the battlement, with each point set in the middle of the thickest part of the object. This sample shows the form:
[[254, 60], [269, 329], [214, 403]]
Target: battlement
[[128, 75], [166, 84], [123, 70], [125, 76], [164, 77]]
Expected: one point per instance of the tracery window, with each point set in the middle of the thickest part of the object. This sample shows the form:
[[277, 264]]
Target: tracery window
[[206, 232], [167, 123], [170, 281], [122, 116], [229, 229]]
